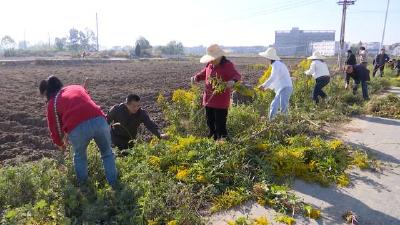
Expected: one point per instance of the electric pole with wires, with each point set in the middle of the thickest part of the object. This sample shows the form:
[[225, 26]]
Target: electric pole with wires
[[344, 3]]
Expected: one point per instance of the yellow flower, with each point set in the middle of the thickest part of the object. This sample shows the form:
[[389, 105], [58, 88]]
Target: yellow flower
[[316, 142], [183, 97], [312, 165], [285, 219], [265, 76], [184, 142], [262, 202], [152, 222], [315, 214], [182, 174], [160, 99], [154, 161], [335, 144], [262, 147], [343, 180], [201, 179], [172, 222], [230, 222], [262, 220]]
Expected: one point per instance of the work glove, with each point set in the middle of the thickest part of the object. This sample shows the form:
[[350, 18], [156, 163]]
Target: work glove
[[192, 80]]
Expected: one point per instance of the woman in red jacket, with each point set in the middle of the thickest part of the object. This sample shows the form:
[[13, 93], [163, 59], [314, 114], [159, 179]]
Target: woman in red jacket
[[217, 104], [70, 110]]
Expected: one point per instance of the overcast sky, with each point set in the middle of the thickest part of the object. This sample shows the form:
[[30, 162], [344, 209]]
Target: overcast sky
[[195, 22]]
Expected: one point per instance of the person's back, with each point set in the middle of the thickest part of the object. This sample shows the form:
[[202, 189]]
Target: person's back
[[72, 113], [361, 72], [74, 105], [363, 56], [282, 78], [351, 58]]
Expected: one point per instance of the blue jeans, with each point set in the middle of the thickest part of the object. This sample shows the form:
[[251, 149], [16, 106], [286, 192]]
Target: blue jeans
[[99, 130], [281, 101], [320, 83], [364, 88]]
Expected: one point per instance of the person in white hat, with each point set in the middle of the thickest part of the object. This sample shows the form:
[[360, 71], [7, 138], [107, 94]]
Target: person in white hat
[[320, 72], [217, 104], [279, 81]]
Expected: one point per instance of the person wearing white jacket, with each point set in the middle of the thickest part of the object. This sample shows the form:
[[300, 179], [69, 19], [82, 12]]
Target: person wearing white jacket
[[320, 72], [279, 81]]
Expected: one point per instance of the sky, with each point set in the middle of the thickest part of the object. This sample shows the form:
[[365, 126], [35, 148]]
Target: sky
[[195, 22]]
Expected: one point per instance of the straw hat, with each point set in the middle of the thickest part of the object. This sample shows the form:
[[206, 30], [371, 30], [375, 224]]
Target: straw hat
[[213, 52], [316, 55], [270, 53]]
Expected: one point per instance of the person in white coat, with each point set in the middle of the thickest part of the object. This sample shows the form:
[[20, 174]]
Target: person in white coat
[[279, 81], [320, 72]]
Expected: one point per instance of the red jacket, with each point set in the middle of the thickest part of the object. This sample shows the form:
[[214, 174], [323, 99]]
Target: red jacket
[[227, 72], [74, 106]]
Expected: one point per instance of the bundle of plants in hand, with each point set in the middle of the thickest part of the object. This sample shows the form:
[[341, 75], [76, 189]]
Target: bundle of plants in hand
[[218, 85]]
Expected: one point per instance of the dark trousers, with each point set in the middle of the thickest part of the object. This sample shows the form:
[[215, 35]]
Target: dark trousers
[[364, 87], [216, 122], [320, 83], [380, 67], [121, 143]]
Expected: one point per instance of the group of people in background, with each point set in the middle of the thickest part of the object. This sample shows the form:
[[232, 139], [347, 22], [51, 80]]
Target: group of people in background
[[74, 117]]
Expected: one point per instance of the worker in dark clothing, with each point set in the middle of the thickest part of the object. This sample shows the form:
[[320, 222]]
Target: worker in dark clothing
[[379, 62], [125, 119], [351, 58], [397, 67], [360, 75]]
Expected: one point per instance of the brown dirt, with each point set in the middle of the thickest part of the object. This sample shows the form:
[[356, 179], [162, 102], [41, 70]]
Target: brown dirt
[[23, 129]]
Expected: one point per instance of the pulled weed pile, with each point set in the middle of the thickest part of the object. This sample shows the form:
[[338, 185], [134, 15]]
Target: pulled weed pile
[[183, 179], [385, 106]]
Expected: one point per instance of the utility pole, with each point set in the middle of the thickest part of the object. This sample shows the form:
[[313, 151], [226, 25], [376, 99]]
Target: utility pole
[[49, 40], [344, 3], [384, 26], [97, 33]]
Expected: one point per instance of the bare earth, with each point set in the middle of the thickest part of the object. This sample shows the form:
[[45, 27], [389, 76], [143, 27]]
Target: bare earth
[[23, 130]]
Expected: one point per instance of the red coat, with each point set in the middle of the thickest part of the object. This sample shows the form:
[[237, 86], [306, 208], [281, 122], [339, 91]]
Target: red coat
[[226, 72], [74, 106]]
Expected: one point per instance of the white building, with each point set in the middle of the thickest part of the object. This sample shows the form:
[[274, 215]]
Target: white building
[[372, 47], [327, 48]]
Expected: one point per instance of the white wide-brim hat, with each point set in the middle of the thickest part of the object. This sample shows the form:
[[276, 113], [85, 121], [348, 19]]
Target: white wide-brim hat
[[270, 53], [316, 55], [213, 52]]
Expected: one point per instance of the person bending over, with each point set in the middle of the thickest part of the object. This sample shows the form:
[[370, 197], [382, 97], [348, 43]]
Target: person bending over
[[125, 119]]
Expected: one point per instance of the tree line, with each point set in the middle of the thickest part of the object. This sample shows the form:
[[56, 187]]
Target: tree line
[[85, 40]]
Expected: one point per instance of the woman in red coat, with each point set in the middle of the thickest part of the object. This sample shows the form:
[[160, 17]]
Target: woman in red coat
[[217, 105], [70, 110]]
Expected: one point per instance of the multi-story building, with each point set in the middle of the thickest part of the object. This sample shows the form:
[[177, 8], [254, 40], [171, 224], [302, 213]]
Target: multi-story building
[[296, 42], [327, 48]]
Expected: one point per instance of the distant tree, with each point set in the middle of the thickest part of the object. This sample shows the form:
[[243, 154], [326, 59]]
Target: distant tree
[[73, 40], [143, 42], [60, 43], [173, 48], [7, 43], [81, 40], [87, 40], [138, 50]]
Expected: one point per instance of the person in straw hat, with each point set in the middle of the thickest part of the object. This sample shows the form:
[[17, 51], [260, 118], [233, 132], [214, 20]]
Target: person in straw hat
[[279, 81], [320, 72], [217, 104]]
